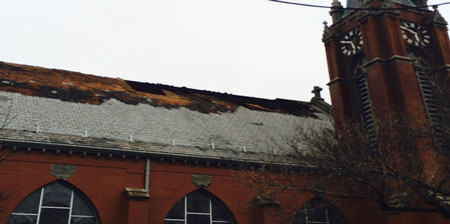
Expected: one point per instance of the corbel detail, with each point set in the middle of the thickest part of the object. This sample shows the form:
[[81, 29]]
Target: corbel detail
[[266, 201], [201, 180], [137, 194], [62, 171]]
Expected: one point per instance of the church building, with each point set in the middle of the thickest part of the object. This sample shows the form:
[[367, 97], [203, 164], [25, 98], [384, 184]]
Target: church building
[[83, 149]]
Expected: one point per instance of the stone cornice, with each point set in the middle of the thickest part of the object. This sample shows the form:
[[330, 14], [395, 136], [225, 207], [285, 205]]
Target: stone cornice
[[394, 58], [336, 80]]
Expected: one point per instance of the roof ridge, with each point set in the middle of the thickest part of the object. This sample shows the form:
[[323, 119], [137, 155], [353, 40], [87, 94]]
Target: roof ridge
[[88, 88]]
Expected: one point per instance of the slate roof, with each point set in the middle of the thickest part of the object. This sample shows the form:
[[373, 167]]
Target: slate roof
[[73, 111]]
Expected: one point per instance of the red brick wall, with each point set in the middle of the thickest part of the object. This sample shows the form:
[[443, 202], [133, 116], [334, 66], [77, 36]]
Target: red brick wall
[[103, 181]]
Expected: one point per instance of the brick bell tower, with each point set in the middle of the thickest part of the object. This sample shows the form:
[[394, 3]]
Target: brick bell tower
[[380, 59]]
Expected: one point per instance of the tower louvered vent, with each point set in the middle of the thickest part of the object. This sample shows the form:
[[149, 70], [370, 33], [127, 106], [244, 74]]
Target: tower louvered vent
[[428, 97], [431, 105], [424, 80], [366, 108]]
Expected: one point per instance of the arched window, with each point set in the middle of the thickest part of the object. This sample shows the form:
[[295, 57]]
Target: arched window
[[318, 211], [56, 203], [198, 207], [364, 103], [360, 101]]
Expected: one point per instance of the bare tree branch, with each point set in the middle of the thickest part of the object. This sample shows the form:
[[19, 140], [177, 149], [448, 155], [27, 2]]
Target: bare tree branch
[[406, 170]]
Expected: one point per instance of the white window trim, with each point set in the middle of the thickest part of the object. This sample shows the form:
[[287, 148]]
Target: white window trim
[[186, 213]]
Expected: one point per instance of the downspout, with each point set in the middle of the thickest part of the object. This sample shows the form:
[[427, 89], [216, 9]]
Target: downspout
[[134, 208], [147, 174]]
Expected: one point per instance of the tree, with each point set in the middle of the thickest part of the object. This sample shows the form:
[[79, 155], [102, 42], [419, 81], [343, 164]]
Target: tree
[[393, 172], [398, 164], [7, 117]]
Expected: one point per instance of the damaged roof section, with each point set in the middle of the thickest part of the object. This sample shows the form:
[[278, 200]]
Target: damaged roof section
[[89, 89]]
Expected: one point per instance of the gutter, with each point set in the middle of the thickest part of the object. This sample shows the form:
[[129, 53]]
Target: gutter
[[123, 153]]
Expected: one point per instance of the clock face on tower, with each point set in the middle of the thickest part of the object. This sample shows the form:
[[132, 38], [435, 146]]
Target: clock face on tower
[[351, 43], [415, 34]]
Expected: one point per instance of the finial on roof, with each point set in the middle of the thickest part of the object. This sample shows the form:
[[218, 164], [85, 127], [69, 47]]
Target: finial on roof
[[326, 31], [316, 92], [336, 3], [436, 18], [319, 102], [336, 11]]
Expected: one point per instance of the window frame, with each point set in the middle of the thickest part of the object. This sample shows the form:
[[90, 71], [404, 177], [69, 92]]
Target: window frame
[[210, 213], [73, 191], [302, 216]]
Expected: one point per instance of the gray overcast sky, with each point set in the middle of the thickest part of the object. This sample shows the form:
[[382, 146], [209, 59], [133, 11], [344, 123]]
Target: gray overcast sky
[[246, 47]]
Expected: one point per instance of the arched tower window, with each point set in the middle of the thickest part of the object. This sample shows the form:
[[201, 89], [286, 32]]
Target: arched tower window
[[360, 100], [318, 211], [365, 107], [364, 102], [56, 203], [359, 91], [198, 207]]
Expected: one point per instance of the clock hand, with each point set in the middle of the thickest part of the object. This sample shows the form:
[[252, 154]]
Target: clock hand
[[346, 42], [409, 30], [416, 37]]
